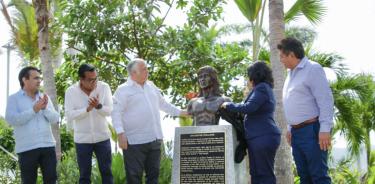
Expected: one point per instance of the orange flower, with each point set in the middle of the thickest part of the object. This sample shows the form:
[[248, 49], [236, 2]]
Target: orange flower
[[190, 95]]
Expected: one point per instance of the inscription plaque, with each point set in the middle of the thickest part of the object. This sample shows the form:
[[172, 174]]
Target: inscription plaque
[[202, 158]]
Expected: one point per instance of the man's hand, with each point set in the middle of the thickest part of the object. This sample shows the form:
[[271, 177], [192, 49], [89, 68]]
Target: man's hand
[[45, 101], [93, 102], [289, 138], [324, 140], [41, 104], [122, 141]]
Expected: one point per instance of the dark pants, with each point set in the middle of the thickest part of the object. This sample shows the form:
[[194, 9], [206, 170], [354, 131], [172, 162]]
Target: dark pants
[[262, 151], [310, 160], [142, 157], [103, 154], [29, 162]]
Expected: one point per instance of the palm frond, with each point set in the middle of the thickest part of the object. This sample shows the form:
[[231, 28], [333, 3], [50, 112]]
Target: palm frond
[[304, 34], [249, 8], [313, 10], [328, 60], [26, 30], [234, 29], [351, 93]]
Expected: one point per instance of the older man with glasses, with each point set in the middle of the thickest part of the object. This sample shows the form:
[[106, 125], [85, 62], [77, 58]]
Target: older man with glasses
[[87, 104]]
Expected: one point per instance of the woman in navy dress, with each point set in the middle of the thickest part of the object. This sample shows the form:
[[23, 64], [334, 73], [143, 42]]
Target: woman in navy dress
[[261, 132]]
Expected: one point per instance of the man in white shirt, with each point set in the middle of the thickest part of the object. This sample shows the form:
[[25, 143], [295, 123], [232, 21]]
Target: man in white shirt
[[88, 103], [136, 119]]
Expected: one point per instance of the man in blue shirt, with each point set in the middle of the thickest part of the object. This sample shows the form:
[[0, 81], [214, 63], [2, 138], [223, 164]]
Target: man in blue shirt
[[308, 106], [31, 113]]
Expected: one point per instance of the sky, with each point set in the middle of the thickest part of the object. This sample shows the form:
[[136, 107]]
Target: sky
[[347, 29]]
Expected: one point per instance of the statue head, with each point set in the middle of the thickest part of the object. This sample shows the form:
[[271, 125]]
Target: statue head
[[208, 81]]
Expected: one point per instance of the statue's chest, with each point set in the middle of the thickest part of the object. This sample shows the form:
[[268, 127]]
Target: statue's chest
[[202, 104]]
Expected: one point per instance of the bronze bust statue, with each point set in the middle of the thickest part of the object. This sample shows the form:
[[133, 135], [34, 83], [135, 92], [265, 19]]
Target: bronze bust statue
[[204, 108]]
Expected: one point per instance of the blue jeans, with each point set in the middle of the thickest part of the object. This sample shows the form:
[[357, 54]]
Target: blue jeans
[[262, 151], [310, 160], [103, 155]]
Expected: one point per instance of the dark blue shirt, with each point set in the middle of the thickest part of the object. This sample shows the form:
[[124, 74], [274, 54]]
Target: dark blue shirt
[[259, 108]]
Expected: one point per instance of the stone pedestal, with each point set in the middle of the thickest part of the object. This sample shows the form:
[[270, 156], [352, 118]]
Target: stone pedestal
[[205, 154]]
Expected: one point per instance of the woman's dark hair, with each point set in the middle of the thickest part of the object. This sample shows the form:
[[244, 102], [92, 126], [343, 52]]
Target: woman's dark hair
[[215, 87], [290, 44], [25, 72], [85, 68], [260, 72]]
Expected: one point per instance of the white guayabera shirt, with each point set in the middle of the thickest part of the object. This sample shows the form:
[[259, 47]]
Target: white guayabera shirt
[[89, 127], [136, 111]]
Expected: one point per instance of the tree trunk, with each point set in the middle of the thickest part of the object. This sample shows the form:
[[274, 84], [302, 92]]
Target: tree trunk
[[283, 169], [42, 17], [368, 149]]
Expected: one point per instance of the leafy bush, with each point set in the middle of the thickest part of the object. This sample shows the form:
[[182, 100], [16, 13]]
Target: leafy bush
[[67, 169], [67, 141], [9, 171], [6, 136]]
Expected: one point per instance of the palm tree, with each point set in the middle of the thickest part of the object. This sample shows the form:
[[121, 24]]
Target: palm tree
[[283, 169], [42, 16], [253, 10], [354, 102]]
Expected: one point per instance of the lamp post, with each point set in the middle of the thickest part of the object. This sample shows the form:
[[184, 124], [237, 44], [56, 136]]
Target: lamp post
[[9, 47]]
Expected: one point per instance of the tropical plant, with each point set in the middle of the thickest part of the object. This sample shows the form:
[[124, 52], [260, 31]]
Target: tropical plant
[[67, 142], [6, 137], [344, 174], [354, 97], [9, 170]]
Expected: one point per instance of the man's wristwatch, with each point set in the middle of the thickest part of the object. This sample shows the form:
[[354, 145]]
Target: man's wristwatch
[[99, 106]]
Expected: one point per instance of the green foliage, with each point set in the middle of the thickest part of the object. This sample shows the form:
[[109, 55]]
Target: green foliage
[[67, 142], [313, 10], [166, 163], [6, 137], [118, 169], [25, 34], [303, 34], [185, 121], [108, 35], [344, 174], [352, 95], [67, 169], [250, 8], [9, 170]]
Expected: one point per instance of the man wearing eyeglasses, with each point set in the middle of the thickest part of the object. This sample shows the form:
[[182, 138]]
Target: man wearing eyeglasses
[[87, 104], [31, 113]]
